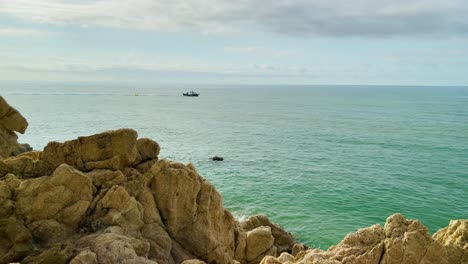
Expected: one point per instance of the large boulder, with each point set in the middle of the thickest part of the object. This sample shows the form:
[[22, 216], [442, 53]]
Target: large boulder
[[455, 238], [401, 241], [112, 246], [15, 240], [114, 150], [408, 242], [10, 121], [26, 166], [259, 244], [192, 211], [284, 241], [54, 206]]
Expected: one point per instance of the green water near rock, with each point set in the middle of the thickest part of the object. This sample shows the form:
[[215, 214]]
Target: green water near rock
[[320, 160]]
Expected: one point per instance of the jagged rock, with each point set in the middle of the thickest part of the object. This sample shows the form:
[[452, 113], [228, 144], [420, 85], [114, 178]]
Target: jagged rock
[[193, 261], [48, 202], [58, 254], [259, 244], [8, 143], [22, 149], [106, 178], [408, 242], [27, 167], [10, 118], [455, 239], [400, 241], [130, 207], [364, 246], [284, 241], [10, 121], [118, 208], [7, 187], [456, 234], [85, 257], [116, 248], [240, 242], [114, 150], [160, 242], [15, 240], [148, 149], [192, 211], [298, 247], [145, 165]]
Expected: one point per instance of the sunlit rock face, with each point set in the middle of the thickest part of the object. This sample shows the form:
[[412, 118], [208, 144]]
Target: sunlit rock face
[[11, 121], [107, 198]]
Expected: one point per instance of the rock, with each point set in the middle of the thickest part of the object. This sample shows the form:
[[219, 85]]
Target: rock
[[11, 119], [114, 150], [364, 246], [8, 143], [106, 178], [408, 241], [240, 242], [118, 208], [145, 165], [298, 247], [16, 240], [400, 241], [180, 254], [109, 199], [160, 242], [284, 241], [116, 248], [58, 254], [85, 257], [217, 158], [456, 234], [193, 261], [455, 239], [63, 197], [285, 257], [22, 149], [148, 149], [192, 211], [27, 167], [7, 188], [259, 244]]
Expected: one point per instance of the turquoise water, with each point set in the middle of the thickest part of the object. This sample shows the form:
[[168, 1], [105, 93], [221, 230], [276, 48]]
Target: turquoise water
[[320, 160]]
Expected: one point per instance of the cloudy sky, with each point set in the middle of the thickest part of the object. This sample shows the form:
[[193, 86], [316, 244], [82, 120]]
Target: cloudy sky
[[414, 42]]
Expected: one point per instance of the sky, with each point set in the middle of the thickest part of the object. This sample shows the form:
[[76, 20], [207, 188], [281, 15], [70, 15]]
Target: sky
[[385, 42]]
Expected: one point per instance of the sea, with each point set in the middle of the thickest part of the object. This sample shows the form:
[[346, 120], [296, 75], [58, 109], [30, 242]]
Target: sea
[[321, 161]]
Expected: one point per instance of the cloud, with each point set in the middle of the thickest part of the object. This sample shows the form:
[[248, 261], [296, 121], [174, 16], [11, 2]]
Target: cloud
[[145, 66], [332, 18], [21, 32], [260, 51]]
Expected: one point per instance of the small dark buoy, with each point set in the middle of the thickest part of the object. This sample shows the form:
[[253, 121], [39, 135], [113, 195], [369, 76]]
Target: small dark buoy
[[217, 158]]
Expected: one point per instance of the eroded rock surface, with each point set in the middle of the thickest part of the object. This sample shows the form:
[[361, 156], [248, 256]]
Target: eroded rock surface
[[107, 198], [400, 241], [10, 121]]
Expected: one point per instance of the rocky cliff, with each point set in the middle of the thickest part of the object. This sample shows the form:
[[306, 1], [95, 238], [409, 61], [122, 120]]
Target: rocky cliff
[[11, 121], [107, 198]]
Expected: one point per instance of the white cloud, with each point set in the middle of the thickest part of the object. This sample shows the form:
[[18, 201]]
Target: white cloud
[[293, 17], [260, 51], [147, 66], [21, 32]]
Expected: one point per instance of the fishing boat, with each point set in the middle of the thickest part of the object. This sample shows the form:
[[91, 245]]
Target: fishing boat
[[191, 93]]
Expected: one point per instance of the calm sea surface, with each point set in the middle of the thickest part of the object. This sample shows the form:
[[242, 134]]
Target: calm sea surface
[[320, 160]]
